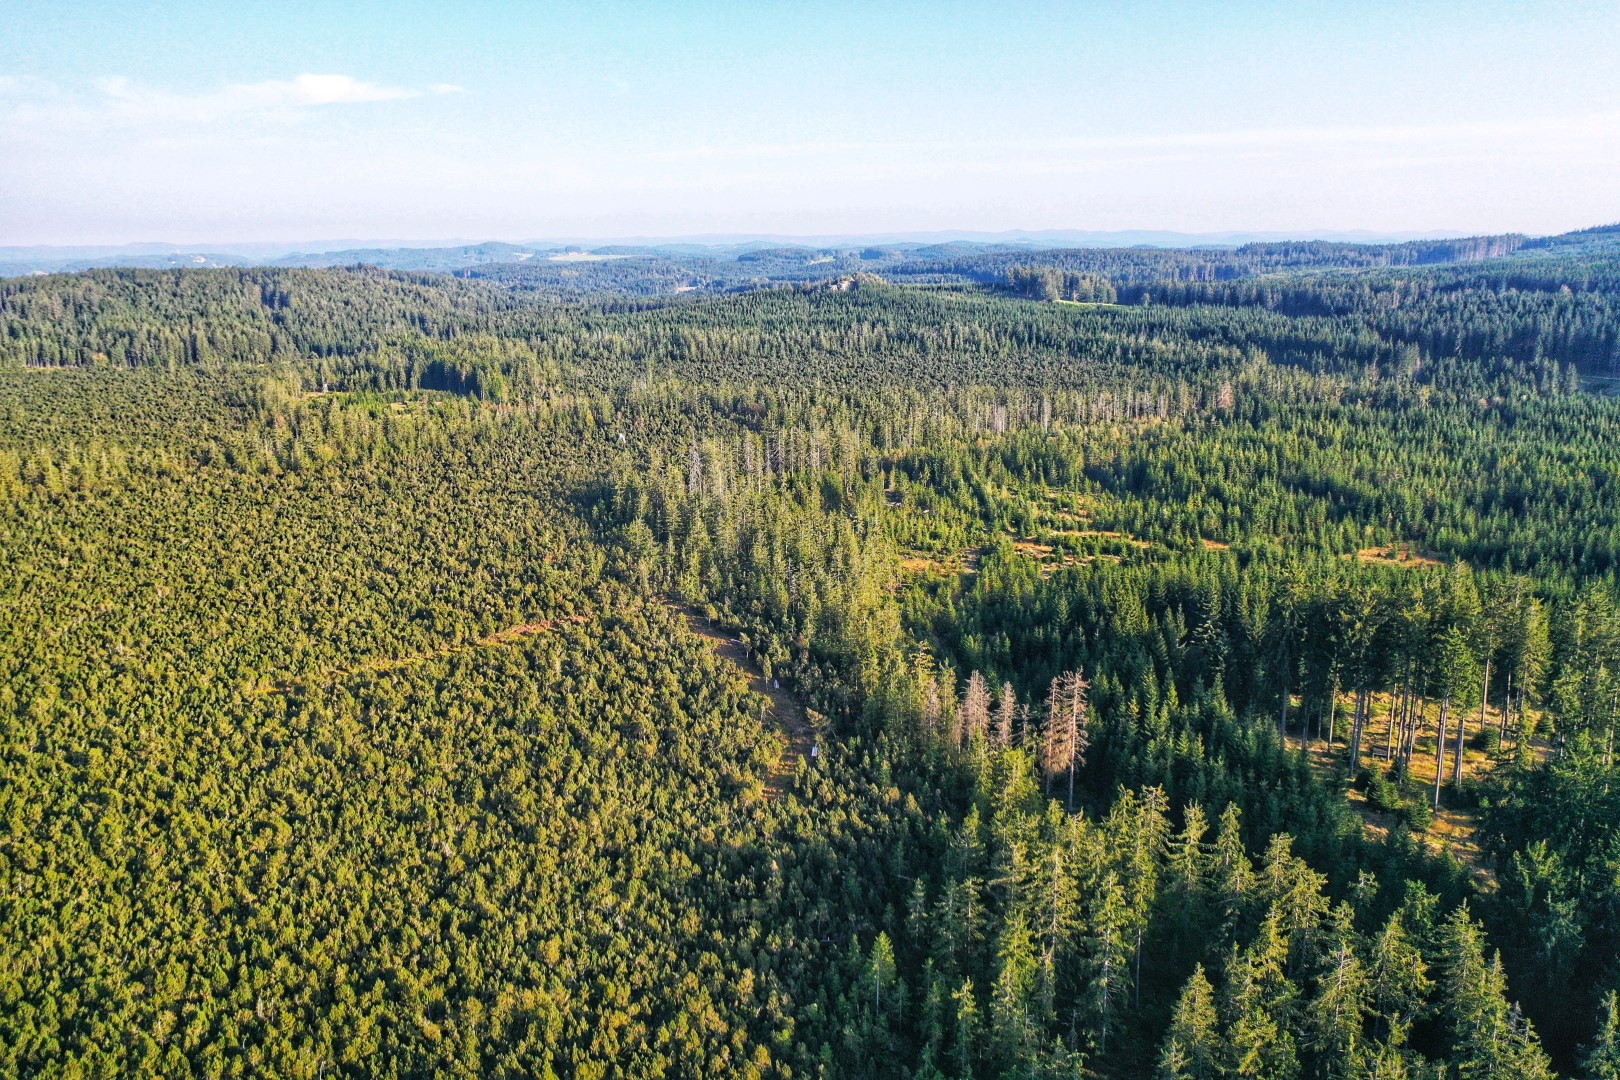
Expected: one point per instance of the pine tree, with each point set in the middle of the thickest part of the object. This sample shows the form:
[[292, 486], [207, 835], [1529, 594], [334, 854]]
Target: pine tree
[[1186, 865], [1294, 892], [958, 926], [1455, 670], [880, 971], [1106, 966], [1232, 871], [1187, 884], [1366, 637], [932, 1026], [878, 1009], [965, 1037], [1387, 1062], [1059, 900], [1528, 651], [1142, 850], [1487, 639], [1012, 1019]]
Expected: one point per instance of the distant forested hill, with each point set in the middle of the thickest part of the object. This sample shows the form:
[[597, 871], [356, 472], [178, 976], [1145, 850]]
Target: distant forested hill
[[669, 268]]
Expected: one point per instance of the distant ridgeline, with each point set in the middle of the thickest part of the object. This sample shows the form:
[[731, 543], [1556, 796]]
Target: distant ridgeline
[[1137, 266], [1188, 664], [1548, 307]]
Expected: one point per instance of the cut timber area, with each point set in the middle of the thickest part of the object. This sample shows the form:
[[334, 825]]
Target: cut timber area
[[1397, 555], [784, 712]]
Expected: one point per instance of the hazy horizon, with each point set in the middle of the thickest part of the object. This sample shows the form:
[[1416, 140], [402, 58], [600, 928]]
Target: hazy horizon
[[1059, 236]]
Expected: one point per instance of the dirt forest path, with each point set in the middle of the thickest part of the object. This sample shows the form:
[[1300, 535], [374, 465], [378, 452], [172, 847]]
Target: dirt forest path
[[785, 713], [385, 664]]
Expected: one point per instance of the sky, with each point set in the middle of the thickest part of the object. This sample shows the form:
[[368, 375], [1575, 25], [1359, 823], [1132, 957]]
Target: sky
[[192, 122]]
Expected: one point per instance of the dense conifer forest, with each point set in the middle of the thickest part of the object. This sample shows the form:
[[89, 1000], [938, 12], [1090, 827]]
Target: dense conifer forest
[[938, 663]]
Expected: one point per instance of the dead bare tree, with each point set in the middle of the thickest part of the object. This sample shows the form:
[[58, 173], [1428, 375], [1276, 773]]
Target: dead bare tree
[[1067, 735]]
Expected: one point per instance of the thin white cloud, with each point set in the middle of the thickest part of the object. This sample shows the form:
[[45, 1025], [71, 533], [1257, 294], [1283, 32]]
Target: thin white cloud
[[314, 90], [35, 107], [133, 101]]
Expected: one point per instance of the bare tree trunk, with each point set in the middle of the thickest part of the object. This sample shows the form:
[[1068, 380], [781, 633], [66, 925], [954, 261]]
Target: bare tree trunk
[[1440, 749], [1403, 758], [1462, 726], [1282, 722], [1412, 725], [1389, 735], [1457, 756], [1333, 709], [1507, 707], [1409, 700], [1358, 728], [1523, 734]]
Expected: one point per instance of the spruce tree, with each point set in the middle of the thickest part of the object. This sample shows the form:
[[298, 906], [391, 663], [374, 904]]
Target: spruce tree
[[1490, 1038], [1232, 872], [1399, 982], [1602, 1061], [1193, 1048], [1106, 966], [1260, 1008], [1013, 1023], [1335, 1016]]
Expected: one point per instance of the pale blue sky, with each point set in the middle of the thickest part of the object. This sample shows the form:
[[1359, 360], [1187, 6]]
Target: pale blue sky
[[197, 122]]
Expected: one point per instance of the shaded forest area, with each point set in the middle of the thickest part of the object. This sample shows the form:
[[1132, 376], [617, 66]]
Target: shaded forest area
[[350, 723]]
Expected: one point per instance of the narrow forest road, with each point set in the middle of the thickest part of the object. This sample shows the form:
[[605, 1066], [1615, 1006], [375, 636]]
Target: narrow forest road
[[785, 713], [384, 664]]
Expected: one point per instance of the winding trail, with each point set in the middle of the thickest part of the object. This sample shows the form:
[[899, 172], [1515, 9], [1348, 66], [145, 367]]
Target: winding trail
[[785, 713], [499, 637]]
